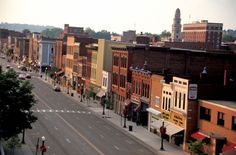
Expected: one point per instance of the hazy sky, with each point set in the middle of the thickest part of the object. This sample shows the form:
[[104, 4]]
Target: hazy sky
[[117, 15]]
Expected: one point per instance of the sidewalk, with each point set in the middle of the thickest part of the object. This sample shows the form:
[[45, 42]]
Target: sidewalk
[[139, 133]]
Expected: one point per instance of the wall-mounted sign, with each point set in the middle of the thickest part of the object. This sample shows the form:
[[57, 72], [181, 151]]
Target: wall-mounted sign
[[192, 91]]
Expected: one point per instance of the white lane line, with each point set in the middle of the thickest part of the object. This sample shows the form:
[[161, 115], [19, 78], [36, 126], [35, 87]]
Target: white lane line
[[56, 110], [38, 110], [116, 147], [50, 110], [73, 128], [129, 142], [62, 110], [68, 140], [43, 110], [89, 112], [83, 112], [89, 127], [73, 111], [68, 111], [78, 112], [55, 128]]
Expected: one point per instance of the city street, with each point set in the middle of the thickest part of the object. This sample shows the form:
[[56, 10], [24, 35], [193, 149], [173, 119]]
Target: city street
[[71, 129]]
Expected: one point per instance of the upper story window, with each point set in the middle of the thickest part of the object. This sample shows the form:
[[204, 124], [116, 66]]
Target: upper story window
[[115, 78], [234, 123], [116, 61], [122, 81], [123, 62], [205, 113], [157, 100], [220, 119]]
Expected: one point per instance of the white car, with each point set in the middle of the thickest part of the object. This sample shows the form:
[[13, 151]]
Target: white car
[[22, 76]]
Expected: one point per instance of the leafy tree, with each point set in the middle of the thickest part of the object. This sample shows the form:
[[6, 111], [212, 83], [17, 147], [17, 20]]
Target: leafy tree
[[103, 34], [228, 38], [165, 34], [26, 32], [51, 33], [16, 99], [197, 147], [13, 142]]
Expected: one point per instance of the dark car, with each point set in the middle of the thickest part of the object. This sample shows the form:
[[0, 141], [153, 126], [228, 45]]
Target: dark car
[[57, 88]]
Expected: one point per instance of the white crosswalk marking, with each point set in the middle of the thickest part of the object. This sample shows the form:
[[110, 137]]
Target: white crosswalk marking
[[60, 111]]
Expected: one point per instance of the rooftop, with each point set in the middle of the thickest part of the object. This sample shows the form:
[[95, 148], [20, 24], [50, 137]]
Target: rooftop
[[230, 104]]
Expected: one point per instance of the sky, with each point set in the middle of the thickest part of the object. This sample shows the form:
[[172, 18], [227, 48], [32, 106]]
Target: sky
[[152, 16]]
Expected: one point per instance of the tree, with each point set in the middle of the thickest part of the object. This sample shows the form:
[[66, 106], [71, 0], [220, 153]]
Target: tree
[[103, 34], [196, 147], [16, 100], [51, 33], [26, 32], [165, 34], [13, 142]]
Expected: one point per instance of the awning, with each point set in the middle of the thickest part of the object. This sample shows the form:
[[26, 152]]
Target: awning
[[228, 146], [230, 152], [171, 129], [199, 135], [59, 73], [153, 111], [101, 93]]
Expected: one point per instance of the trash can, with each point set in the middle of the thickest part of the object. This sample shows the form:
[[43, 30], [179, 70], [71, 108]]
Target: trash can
[[130, 128]]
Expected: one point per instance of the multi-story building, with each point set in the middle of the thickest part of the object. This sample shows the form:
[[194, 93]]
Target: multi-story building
[[76, 56], [34, 49], [141, 95], [176, 27], [217, 126], [166, 61], [174, 103], [46, 53], [73, 31], [129, 36], [203, 32], [100, 66]]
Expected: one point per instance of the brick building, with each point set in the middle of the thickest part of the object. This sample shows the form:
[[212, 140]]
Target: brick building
[[203, 32], [217, 125], [207, 70]]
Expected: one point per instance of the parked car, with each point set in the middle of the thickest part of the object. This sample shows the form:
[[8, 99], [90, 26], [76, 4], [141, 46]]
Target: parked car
[[28, 76], [8, 66], [57, 88], [22, 76]]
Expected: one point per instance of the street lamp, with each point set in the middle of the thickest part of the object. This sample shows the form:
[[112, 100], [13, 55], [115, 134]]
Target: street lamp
[[46, 73], [42, 147], [125, 114], [103, 100], [163, 132]]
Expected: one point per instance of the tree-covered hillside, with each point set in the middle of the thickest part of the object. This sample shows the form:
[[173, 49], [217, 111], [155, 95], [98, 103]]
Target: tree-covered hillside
[[21, 27]]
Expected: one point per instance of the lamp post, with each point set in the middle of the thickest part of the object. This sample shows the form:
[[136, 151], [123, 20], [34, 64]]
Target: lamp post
[[81, 91], [46, 73], [42, 147], [125, 114], [103, 100], [163, 132]]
